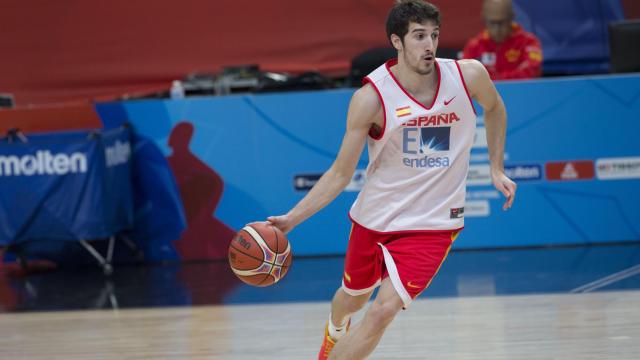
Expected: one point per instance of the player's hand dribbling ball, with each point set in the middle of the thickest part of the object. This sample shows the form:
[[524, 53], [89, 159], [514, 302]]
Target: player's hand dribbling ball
[[260, 254]]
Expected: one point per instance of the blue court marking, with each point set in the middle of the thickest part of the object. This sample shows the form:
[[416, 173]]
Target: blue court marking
[[608, 280]]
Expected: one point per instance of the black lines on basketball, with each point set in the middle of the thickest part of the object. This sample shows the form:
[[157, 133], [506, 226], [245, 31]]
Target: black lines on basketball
[[277, 239], [266, 276], [244, 253], [275, 258]]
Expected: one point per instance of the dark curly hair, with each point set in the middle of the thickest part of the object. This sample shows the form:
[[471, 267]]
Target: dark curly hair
[[406, 11]]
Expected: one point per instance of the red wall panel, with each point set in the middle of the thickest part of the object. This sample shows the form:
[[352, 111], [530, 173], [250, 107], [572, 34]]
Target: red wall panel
[[50, 118], [631, 9], [74, 50]]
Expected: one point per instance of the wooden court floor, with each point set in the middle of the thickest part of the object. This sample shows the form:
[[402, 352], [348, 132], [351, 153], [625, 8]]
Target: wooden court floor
[[600, 325]]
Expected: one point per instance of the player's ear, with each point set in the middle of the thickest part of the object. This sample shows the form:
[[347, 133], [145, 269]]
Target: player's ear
[[396, 41]]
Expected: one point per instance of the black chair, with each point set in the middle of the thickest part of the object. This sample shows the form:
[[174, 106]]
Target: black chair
[[624, 44], [365, 62]]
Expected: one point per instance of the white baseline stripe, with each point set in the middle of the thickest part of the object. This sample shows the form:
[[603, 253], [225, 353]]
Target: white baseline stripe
[[594, 285]]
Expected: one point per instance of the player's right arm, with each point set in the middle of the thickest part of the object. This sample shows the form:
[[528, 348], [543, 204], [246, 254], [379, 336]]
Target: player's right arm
[[364, 111]]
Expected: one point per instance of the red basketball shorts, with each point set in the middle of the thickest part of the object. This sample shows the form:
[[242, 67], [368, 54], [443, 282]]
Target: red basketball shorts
[[409, 258]]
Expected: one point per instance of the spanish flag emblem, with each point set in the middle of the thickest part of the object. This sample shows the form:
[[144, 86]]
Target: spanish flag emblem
[[403, 111]]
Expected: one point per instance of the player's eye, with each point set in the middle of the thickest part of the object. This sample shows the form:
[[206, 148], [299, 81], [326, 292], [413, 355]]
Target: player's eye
[[435, 36]]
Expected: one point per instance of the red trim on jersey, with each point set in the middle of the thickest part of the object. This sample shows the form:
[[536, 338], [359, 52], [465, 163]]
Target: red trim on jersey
[[465, 88], [384, 110], [392, 62], [400, 231]]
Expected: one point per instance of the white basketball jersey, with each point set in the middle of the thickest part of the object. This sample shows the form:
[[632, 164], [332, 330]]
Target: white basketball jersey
[[416, 177]]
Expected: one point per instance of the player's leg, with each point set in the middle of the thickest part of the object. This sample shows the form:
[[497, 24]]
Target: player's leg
[[410, 263], [361, 276], [362, 273], [364, 336], [343, 306]]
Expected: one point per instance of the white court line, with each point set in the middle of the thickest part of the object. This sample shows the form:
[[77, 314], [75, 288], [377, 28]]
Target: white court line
[[594, 285]]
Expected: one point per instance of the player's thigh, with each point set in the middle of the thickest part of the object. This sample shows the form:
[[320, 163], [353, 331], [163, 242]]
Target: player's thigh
[[386, 304], [363, 262]]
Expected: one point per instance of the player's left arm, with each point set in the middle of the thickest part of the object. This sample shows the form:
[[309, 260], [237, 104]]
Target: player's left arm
[[481, 89]]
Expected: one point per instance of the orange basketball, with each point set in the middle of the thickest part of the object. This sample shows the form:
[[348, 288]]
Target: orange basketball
[[260, 254]]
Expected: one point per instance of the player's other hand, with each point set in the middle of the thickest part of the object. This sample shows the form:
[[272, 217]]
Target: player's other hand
[[506, 186], [282, 222]]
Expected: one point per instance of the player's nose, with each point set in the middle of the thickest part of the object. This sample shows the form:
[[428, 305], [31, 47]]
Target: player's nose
[[428, 47]]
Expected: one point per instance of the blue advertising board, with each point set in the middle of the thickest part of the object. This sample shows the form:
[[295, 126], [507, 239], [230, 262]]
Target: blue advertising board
[[571, 147], [65, 186]]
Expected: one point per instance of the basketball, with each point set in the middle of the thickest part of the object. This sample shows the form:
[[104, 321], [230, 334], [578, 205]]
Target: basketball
[[260, 254]]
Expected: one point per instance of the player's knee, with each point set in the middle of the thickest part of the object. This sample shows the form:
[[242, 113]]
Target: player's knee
[[381, 314], [354, 303]]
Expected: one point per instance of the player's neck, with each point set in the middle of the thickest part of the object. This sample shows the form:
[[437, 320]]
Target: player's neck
[[414, 82]]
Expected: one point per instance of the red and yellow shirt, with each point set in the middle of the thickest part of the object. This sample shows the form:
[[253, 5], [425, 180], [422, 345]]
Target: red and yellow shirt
[[517, 57]]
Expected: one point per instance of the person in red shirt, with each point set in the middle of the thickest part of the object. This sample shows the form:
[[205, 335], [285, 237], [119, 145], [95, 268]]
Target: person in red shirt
[[505, 49]]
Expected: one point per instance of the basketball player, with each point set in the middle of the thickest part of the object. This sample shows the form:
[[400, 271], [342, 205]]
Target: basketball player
[[416, 115]]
